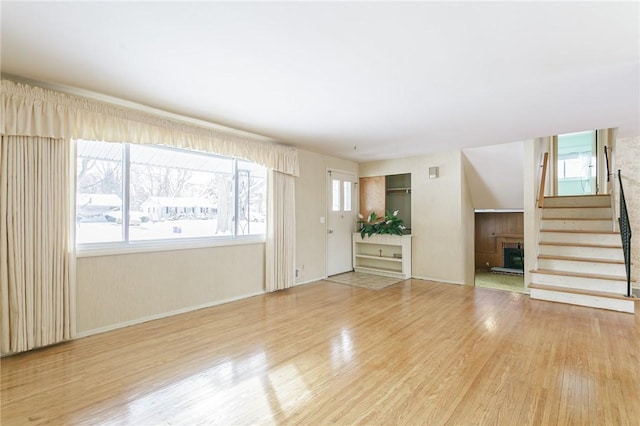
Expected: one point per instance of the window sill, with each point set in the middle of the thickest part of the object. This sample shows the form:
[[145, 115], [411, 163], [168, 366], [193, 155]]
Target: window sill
[[119, 248]]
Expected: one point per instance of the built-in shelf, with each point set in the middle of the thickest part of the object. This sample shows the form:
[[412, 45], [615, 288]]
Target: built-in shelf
[[377, 270], [386, 255], [398, 190], [391, 259]]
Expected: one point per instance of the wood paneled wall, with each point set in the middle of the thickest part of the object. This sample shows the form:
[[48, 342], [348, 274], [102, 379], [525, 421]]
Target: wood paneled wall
[[492, 229], [372, 195]]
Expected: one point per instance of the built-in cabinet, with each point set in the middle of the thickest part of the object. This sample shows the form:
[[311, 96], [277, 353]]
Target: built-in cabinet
[[385, 255]]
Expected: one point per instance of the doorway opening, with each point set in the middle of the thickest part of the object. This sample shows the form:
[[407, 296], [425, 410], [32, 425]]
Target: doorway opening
[[576, 163], [499, 250]]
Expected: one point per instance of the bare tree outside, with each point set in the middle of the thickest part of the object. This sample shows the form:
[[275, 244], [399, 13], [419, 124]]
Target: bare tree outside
[[171, 194], [250, 200], [153, 181], [99, 177], [224, 195]]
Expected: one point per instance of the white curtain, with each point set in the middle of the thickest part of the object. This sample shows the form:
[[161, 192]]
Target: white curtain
[[34, 111], [281, 232], [36, 254], [36, 238]]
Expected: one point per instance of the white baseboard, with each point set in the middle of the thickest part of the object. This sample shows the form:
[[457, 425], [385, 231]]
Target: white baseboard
[[313, 280], [161, 315], [438, 280], [620, 305]]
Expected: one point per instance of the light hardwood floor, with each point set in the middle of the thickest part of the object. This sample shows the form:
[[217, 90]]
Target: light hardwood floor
[[417, 352]]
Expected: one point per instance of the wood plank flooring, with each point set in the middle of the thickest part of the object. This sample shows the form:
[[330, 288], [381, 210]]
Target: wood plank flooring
[[417, 352]]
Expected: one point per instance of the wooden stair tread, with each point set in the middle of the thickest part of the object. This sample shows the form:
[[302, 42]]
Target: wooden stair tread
[[575, 207], [548, 197], [580, 259], [572, 231], [579, 275], [582, 292], [578, 218], [551, 243]]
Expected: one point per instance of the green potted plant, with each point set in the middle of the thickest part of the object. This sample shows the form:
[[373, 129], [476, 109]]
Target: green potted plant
[[389, 224]]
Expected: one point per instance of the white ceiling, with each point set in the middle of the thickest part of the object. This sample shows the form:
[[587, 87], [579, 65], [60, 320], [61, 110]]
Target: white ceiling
[[392, 79]]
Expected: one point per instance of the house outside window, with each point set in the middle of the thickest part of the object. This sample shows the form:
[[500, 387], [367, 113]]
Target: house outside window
[[170, 195]]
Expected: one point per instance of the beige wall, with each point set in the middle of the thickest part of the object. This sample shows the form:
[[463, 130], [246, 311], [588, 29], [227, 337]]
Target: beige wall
[[441, 215], [468, 226], [311, 204], [627, 161], [118, 290], [494, 175]]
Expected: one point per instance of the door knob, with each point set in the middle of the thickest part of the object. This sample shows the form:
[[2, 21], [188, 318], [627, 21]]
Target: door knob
[[330, 231]]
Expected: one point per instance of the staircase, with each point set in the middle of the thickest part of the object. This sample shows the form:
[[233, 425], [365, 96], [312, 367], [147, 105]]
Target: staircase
[[580, 257]]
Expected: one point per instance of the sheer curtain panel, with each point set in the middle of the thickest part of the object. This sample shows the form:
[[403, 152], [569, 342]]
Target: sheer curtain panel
[[36, 211], [281, 232], [35, 250]]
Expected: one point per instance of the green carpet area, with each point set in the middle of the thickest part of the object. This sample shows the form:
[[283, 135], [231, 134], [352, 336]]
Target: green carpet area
[[499, 281]]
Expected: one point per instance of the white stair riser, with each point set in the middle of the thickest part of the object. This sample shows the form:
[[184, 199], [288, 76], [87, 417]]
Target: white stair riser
[[590, 201], [599, 213], [580, 238], [578, 225], [598, 268], [584, 300], [581, 251], [593, 284]]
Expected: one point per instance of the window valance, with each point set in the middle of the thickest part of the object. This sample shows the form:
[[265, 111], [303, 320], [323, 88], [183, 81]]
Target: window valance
[[33, 111]]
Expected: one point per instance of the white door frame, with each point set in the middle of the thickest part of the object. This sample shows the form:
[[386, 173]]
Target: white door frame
[[599, 141], [355, 204]]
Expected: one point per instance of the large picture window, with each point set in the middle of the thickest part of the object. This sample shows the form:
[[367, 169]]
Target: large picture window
[[170, 194]]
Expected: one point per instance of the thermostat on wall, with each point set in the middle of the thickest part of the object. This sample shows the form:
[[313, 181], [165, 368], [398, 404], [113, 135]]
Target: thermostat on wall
[[433, 172]]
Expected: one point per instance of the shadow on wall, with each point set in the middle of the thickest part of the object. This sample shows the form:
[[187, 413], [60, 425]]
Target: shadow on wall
[[495, 175]]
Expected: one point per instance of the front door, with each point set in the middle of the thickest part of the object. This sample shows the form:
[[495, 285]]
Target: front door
[[341, 220]]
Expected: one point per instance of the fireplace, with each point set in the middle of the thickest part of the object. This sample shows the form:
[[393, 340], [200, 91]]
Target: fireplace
[[513, 256]]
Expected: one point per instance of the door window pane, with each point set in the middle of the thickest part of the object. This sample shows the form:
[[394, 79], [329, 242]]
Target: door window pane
[[335, 195], [347, 196]]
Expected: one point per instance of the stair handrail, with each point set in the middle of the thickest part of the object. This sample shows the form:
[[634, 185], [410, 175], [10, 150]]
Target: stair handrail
[[625, 234], [543, 178], [606, 161]]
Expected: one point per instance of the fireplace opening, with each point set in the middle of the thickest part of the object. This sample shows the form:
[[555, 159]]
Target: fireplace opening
[[513, 258]]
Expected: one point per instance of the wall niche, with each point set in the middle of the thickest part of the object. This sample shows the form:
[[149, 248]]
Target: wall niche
[[492, 232], [391, 192]]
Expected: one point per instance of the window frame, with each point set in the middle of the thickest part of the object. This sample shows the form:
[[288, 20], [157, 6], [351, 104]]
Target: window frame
[[126, 246]]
